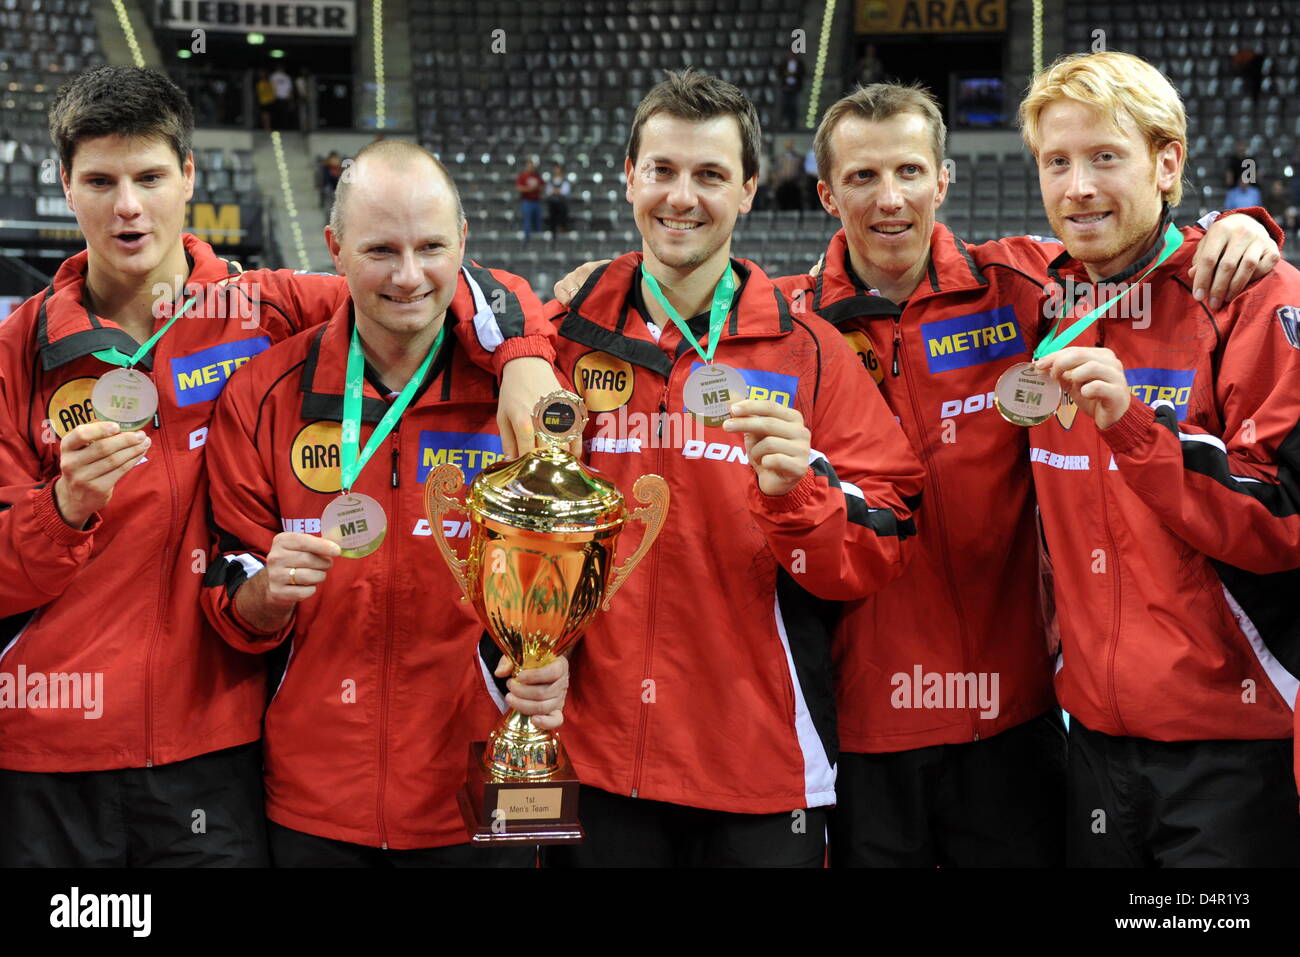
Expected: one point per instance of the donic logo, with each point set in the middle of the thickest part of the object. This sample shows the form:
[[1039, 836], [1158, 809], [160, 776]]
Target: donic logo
[[472, 451], [970, 340], [202, 376], [1172, 386]]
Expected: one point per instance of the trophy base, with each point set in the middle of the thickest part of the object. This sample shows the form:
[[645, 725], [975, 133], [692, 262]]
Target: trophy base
[[500, 812]]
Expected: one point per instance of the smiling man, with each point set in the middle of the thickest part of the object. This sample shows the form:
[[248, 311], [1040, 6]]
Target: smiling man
[[701, 718], [103, 525], [1169, 497], [384, 690]]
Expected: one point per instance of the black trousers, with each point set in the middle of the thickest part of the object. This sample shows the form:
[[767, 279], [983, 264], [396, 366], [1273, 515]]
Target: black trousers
[[1140, 803], [202, 812], [290, 848], [998, 802], [630, 832]]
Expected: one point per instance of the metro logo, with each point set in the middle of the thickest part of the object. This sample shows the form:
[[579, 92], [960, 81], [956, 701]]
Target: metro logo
[[1173, 386], [471, 451], [201, 376], [773, 386], [970, 340]]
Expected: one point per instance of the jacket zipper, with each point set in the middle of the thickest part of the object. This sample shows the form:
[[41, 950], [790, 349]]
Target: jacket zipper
[[936, 502], [898, 340], [393, 501], [644, 718], [168, 564]]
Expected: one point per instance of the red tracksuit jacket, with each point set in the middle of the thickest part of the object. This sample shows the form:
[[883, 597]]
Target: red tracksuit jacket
[[1174, 533], [967, 603], [366, 735], [117, 605], [708, 681]]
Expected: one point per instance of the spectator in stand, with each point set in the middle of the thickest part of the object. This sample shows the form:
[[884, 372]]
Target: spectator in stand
[[1234, 164], [1281, 205], [8, 148], [810, 198], [331, 172], [529, 186], [265, 98], [302, 85], [557, 201], [791, 80], [282, 84], [1244, 194], [870, 69], [789, 191], [1249, 65]]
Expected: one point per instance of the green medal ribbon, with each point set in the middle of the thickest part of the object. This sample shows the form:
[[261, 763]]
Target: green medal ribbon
[[1058, 340], [116, 357], [352, 463], [723, 293]]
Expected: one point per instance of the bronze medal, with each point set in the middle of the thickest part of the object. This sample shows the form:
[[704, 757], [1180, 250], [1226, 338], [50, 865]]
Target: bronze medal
[[1025, 397]]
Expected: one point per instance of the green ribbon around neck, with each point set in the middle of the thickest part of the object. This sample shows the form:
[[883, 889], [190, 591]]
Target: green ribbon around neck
[[353, 462], [723, 293], [1059, 340]]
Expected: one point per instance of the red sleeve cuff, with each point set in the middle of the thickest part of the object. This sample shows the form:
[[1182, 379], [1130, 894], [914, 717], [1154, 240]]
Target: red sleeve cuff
[[52, 523], [521, 347], [1133, 427], [796, 498]]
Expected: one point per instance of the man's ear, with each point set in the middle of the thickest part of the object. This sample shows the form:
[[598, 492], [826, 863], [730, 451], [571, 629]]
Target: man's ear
[[945, 180], [747, 192], [1169, 165], [187, 171], [828, 198], [66, 181], [627, 175], [332, 242]]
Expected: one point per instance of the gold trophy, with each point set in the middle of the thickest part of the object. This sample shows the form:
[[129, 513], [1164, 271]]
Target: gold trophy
[[540, 564]]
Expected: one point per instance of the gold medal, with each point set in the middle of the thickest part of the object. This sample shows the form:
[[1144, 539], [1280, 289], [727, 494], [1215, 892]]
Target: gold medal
[[126, 397], [1026, 397], [356, 522], [711, 390]]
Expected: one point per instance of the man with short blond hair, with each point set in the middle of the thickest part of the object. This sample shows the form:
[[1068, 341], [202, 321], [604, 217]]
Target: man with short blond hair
[[1168, 489]]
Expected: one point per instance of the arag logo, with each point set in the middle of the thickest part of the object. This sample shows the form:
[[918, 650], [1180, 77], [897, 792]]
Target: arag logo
[[471, 451], [604, 381], [314, 456], [860, 343], [70, 405], [970, 340]]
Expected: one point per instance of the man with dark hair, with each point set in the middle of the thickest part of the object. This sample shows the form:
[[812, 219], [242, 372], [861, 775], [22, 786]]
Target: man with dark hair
[[701, 715], [127, 727]]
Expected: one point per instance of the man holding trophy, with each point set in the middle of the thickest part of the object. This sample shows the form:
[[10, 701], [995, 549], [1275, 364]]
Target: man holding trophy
[[701, 718], [320, 451]]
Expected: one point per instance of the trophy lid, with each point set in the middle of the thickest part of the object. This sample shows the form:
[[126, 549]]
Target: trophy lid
[[548, 489]]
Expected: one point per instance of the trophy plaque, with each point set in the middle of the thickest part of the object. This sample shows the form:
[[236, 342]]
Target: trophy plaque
[[540, 565]]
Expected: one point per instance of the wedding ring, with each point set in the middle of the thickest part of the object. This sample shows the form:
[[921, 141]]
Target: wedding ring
[[293, 576]]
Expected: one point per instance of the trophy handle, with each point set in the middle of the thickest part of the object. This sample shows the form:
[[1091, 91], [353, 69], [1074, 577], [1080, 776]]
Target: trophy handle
[[442, 482], [651, 490]]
